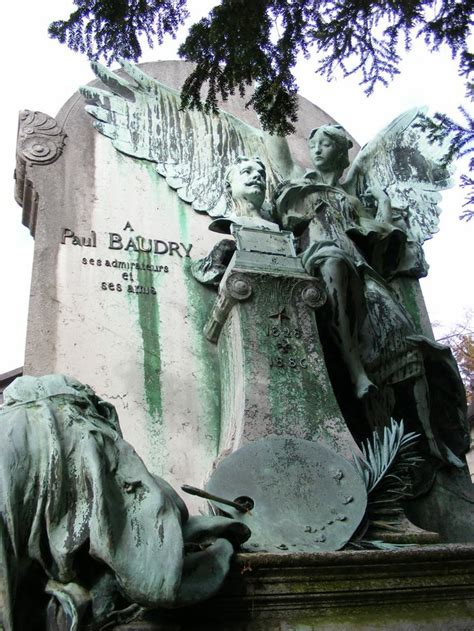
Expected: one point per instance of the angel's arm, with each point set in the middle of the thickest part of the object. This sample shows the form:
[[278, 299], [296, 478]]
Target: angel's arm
[[281, 158]]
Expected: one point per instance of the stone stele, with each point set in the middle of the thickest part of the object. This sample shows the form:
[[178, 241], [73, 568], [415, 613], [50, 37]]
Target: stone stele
[[115, 305], [134, 335]]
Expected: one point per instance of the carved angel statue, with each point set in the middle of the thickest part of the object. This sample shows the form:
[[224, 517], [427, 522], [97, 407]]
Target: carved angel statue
[[357, 234], [193, 150], [357, 250]]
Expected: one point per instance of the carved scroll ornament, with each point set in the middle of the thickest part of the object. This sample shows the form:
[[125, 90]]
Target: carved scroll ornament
[[40, 138], [40, 142]]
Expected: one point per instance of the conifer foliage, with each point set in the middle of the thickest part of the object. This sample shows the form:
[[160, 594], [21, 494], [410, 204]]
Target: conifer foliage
[[257, 42], [111, 29], [241, 42], [461, 138]]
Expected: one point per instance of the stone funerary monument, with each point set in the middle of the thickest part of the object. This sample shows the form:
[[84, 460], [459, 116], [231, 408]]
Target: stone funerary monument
[[250, 307]]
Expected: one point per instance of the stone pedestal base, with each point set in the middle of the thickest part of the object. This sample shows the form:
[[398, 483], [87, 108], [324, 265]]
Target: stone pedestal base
[[427, 587], [274, 380]]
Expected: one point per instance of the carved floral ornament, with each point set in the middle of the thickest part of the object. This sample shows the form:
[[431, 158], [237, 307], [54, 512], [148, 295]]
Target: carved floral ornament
[[40, 139]]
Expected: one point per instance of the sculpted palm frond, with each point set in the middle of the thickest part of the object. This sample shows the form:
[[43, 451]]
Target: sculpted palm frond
[[387, 459], [411, 168], [191, 149]]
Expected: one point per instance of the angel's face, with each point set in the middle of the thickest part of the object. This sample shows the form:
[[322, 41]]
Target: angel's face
[[247, 183], [324, 152]]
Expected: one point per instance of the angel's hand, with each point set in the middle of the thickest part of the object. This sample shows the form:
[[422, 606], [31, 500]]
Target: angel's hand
[[378, 193], [384, 207], [191, 149]]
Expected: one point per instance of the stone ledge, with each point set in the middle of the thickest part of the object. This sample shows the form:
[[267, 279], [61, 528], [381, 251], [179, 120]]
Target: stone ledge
[[427, 587]]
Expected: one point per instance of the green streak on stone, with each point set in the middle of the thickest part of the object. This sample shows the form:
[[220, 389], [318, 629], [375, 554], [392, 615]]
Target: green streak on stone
[[408, 292], [183, 221], [200, 301], [297, 398], [149, 321]]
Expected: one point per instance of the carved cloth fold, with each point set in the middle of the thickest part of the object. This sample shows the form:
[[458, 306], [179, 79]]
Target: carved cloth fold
[[78, 506]]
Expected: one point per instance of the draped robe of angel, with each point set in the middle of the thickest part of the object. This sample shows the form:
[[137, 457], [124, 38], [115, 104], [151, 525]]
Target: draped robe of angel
[[357, 251], [84, 525]]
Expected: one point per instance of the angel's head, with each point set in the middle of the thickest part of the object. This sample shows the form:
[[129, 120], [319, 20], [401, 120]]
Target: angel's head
[[245, 185], [329, 148]]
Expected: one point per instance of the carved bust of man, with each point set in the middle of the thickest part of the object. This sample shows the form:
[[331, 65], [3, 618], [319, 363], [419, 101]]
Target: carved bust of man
[[244, 189], [245, 186]]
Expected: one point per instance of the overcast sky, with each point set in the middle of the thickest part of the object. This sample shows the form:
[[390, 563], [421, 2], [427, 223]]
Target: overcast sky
[[41, 74]]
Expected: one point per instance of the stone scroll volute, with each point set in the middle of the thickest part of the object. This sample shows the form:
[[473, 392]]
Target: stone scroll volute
[[40, 142]]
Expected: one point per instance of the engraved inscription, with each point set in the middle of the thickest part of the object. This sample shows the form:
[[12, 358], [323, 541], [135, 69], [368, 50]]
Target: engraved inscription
[[285, 343], [128, 282]]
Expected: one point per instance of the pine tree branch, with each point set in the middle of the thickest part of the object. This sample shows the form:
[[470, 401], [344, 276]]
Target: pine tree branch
[[242, 43]]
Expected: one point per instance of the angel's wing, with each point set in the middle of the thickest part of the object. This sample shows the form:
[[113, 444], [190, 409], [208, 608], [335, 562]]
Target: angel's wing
[[411, 169], [191, 149]]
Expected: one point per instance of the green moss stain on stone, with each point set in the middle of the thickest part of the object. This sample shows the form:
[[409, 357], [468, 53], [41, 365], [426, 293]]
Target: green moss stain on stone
[[408, 292], [277, 348], [144, 306], [149, 322], [227, 368], [200, 300], [301, 401]]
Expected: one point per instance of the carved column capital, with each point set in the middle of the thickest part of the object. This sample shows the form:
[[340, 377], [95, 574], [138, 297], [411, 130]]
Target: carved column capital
[[234, 287], [312, 293], [238, 286]]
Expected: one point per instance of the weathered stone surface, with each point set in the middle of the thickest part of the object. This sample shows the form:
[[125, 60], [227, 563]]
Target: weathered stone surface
[[423, 588], [40, 142], [165, 375], [114, 302], [274, 380], [141, 348]]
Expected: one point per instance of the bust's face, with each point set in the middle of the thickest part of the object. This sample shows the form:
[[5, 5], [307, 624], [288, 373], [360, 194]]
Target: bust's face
[[247, 182], [324, 152]]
